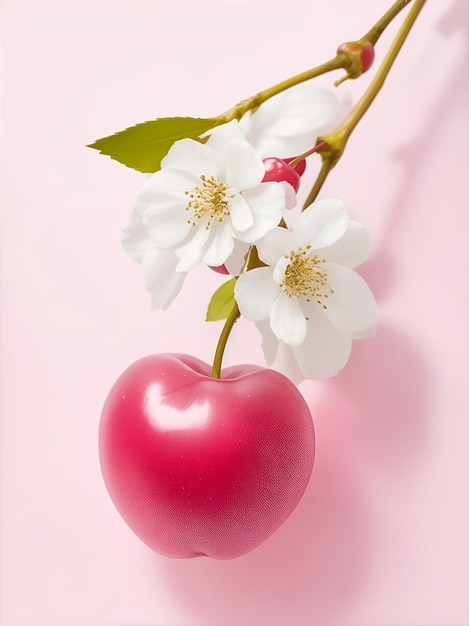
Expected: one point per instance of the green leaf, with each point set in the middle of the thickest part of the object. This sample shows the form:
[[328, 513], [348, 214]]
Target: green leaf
[[221, 302], [143, 146]]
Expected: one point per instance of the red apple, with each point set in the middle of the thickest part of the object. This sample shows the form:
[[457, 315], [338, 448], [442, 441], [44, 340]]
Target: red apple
[[203, 466]]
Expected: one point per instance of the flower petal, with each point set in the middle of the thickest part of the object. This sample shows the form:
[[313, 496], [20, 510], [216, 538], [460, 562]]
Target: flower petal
[[352, 307], [278, 355], [351, 249], [237, 259], [219, 136], [325, 350], [240, 213], [190, 156], [167, 225], [366, 333], [135, 238], [270, 342], [267, 202], [162, 187], [255, 292], [288, 123], [243, 167], [287, 320], [290, 195], [280, 269], [192, 252], [275, 244], [161, 278], [321, 224], [220, 244], [287, 364]]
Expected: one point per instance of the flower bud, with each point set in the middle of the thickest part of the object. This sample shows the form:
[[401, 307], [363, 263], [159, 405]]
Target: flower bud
[[360, 57], [279, 170], [220, 269]]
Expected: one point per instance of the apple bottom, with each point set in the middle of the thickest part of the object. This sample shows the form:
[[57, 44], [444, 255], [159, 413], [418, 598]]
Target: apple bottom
[[203, 466]]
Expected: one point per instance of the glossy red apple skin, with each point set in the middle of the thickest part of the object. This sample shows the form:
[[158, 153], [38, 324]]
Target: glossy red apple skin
[[200, 466]]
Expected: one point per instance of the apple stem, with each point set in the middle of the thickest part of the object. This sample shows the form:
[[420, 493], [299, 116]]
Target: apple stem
[[225, 333], [253, 261]]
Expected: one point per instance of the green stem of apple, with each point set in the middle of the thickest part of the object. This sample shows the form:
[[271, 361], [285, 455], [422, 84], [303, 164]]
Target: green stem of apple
[[337, 139], [252, 262], [340, 61], [225, 333]]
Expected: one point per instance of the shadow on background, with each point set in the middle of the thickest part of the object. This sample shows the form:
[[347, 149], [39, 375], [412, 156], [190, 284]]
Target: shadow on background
[[371, 418], [457, 18], [379, 403], [310, 568]]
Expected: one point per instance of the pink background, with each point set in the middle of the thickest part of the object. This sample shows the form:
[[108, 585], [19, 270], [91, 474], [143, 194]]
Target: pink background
[[381, 536]]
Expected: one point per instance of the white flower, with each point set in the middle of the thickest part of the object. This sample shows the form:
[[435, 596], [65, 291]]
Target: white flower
[[207, 204], [159, 266], [314, 301], [175, 223], [207, 195], [288, 124]]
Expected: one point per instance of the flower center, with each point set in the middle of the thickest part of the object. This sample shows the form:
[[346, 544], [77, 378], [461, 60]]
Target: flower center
[[208, 202], [305, 277]]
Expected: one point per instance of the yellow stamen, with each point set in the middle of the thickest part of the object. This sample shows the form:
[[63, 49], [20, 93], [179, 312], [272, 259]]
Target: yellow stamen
[[305, 277], [208, 202]]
